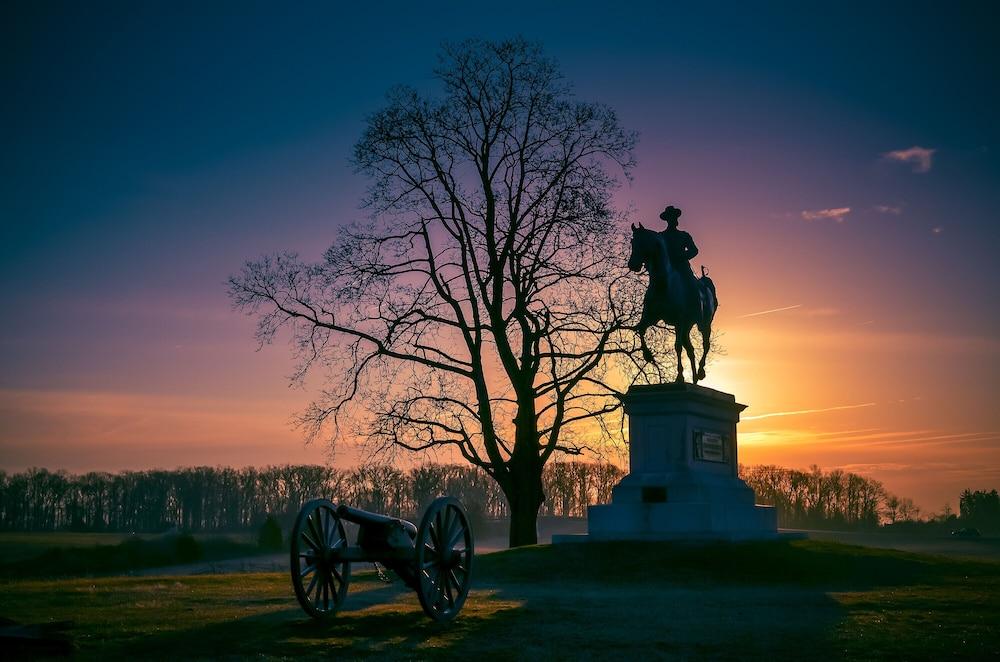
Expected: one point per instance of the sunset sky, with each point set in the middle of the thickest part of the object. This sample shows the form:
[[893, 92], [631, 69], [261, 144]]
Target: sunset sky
[[839, 170]]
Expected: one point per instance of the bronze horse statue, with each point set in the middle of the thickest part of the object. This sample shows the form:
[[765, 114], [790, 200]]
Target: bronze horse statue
[[678, 301]]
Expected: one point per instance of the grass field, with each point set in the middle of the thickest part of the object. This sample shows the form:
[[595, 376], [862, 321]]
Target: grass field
[[775, 600], [17, 546], [76, 554]]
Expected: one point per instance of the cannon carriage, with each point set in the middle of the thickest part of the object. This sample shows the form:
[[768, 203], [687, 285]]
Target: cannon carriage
[[434, 559]]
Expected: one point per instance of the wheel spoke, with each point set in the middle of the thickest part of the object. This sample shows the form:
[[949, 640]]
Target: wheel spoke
[[339, 538], [446, 519], [316, 520], [454, 579], [312, 584], [458, 534], [309, 568], [435, 541], [453, 534], [310, 534], [320, 532], [312, 543], [440, 519], [331, 528], [442, 590], [447, 589], [433, 578]]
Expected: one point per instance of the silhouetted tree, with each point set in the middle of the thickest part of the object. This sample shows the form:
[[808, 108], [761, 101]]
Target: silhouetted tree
[[980, 508], [479, 308], [908, 511], [824, 499], [241, 499]]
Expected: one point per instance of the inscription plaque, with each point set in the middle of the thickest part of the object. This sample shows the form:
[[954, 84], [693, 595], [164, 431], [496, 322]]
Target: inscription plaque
[[711, 446]]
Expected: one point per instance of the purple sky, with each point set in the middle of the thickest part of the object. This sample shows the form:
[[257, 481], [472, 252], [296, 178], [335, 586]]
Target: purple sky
[[838, 169]]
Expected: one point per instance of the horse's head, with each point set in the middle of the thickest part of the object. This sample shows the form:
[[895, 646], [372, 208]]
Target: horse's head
[[640, 252]]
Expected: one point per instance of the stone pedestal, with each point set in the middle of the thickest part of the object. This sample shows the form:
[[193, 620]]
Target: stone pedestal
[[683, 481]]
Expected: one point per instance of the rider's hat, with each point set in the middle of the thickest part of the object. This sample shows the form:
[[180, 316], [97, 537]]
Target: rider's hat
[[671, 213]]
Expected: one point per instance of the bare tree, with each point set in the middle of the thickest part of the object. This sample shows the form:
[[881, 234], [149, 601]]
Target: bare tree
[[485, 306]]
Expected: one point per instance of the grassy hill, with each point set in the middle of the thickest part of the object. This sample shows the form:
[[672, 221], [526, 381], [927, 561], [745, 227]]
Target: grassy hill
[[784, 600]]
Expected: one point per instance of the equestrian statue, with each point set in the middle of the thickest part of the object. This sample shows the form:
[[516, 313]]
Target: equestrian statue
[[674, 296]]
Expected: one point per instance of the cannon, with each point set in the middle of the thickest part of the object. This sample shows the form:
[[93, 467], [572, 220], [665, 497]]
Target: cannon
[[434, 559]]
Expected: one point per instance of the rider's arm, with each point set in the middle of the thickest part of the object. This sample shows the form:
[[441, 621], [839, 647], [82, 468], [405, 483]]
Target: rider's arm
[[691, 250]]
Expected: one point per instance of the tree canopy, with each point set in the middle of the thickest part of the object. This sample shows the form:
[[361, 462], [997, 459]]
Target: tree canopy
[[484, 306]]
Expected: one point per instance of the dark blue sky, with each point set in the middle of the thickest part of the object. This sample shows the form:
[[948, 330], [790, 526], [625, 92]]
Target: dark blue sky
[[152, 147], [114, 104]]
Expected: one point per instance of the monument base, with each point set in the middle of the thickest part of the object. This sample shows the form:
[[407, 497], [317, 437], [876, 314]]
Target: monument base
[[682, 521], [683, 483]]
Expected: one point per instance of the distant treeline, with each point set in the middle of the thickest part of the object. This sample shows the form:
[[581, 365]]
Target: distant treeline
[[226, 499], [825, 499]]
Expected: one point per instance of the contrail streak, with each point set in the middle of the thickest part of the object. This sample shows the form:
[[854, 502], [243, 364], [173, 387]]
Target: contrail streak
[[805, 411], [767, 312]]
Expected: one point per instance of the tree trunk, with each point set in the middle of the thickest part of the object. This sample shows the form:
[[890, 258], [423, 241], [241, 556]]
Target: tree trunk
[[524, 496]]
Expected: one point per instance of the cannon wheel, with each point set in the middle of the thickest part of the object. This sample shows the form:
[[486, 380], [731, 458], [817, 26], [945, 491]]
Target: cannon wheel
[[319, 577], [444, 558]]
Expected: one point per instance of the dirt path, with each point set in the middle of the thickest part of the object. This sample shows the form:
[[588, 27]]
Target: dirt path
[[263, 563]]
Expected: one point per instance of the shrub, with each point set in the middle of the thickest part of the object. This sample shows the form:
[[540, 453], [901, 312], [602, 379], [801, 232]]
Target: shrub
[[187, 548], [270, 534]]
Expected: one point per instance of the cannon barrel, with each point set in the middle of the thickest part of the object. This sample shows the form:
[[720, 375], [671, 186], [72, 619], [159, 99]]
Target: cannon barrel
[[363, 517]]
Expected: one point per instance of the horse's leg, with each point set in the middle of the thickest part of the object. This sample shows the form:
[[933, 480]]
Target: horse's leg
[[690, 352], [706, 344], [678, 347], [646, 353], [640, 329]]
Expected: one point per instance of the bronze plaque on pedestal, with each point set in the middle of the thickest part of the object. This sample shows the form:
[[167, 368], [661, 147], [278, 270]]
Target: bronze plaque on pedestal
[[711, 446]]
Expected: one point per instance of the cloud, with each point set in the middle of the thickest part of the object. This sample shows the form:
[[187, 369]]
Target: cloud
[[920, 158], [937, 230], [822, 312], [837, 213], [768, 312], [888, 209], [800, 412]]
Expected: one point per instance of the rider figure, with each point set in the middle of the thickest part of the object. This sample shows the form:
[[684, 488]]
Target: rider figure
[[681, 248]]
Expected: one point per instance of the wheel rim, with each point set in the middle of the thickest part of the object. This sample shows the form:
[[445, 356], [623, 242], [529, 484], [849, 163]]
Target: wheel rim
[[445, 550], [319, 577]]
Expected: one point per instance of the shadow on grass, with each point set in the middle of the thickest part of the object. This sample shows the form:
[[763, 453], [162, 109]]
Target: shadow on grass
[[827, 565], [724, 601], [382, 622], [719, 601]]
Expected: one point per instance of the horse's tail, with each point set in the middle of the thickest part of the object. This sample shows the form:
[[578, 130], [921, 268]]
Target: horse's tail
[[709, 285]]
